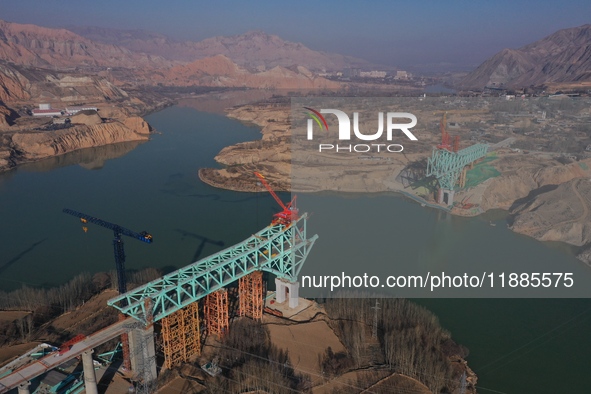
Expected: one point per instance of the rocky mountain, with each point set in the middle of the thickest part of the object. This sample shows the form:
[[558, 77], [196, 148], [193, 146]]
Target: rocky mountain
[[254, 60], [564, 56], [40, 46], [220, 71], [13, 85], [20, 83], [254, 50], [559, 214]]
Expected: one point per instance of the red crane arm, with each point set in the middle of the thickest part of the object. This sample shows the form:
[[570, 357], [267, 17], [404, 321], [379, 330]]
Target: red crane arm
[[264, 182]]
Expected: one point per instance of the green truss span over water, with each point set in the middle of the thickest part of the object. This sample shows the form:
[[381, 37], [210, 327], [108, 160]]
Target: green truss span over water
[[447, 166], [276, 249]]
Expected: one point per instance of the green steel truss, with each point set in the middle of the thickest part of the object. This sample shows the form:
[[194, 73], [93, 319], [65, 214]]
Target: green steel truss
[[277, 249], [447, 166]]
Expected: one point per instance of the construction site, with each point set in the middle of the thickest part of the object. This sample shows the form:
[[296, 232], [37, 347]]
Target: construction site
[[177, 333], [188, 329], [188, 305]]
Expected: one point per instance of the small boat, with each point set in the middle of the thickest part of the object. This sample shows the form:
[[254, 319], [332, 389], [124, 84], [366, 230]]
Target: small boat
[[492, 224]]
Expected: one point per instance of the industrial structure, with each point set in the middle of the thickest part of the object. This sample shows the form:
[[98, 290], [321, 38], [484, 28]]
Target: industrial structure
[[119, 253], [448, 164], [176, 300], [289, 212], [118, 246]]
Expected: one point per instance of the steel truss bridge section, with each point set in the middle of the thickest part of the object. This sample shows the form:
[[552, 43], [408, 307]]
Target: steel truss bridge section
[[278, 249], [447, 166]]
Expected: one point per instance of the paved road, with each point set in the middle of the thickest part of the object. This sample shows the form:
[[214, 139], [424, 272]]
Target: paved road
[[51, 361]]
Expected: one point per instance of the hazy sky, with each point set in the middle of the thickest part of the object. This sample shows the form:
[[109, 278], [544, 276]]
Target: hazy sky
[[399, 33]]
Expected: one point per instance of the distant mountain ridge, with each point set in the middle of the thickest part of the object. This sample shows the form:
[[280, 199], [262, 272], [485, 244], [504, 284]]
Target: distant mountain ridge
[[564, 56], [40, 46], [62, 65], [220, 71], [254, 50]]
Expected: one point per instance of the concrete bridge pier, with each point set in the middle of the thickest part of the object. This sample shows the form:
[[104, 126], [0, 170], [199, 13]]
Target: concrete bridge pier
[[23, 388], [142, 353], [89, 374], [287, 290], [445, 197]]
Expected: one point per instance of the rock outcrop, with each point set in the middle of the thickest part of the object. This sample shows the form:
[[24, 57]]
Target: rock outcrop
[[88, 118], [138, 125], [520, 178], [6, 117], [560, 214], [31, 146], [13, 85]]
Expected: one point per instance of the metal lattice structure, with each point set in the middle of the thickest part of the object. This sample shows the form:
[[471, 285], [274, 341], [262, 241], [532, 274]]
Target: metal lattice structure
[[216, 313], [278, 249], [181, 335], [447, 166], [250, 293]]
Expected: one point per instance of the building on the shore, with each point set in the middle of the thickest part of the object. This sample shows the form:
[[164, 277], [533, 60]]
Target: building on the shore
[[46, 110], [402, 75], [75, 110], [372, 74]]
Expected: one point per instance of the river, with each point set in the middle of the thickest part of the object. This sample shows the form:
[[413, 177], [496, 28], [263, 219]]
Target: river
[[516, 346]]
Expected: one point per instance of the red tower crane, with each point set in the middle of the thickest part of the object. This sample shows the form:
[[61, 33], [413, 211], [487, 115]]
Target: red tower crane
[[446, 142], [445, 138], [289, 213]]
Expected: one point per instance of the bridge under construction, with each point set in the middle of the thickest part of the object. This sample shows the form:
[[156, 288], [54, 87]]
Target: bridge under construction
[[448, 163], [177, 300]]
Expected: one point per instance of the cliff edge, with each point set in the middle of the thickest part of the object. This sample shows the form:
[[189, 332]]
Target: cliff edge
[[24, 147]]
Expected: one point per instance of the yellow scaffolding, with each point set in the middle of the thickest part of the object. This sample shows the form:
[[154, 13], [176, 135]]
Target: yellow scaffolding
[[216, 313], [250, 293], [181, 335]]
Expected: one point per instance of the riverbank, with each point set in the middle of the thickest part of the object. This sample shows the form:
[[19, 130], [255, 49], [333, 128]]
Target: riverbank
[[155, 188], [28, 146]]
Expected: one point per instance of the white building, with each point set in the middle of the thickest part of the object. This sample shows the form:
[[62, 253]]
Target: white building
[[372, 74], [402, 75], [46, 110], [75, 110]]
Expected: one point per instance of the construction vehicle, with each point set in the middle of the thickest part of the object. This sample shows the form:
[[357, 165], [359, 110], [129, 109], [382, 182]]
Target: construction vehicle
[[289, 212]]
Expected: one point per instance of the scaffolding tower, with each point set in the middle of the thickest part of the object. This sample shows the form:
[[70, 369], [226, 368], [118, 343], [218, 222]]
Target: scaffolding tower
[[181, 335], [216, 313], [250, 294]]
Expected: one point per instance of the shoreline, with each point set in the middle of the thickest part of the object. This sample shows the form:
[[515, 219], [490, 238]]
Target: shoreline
[[523, 178]]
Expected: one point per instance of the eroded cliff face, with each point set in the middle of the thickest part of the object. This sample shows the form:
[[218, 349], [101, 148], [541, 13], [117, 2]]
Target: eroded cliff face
[[13, 85], [31, 146], [521, 177], [560, 213]]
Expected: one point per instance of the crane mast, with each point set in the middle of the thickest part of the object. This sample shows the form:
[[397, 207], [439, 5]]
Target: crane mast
[[119, 254]]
